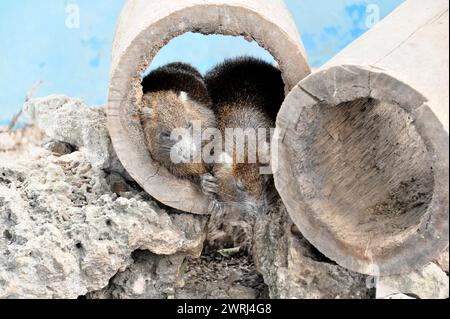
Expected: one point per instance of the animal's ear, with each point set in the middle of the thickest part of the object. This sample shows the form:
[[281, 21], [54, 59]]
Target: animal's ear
[[147, 109], [183, 96]]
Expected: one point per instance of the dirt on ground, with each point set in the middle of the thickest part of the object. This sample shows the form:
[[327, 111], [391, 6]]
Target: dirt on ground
[[216, 276]]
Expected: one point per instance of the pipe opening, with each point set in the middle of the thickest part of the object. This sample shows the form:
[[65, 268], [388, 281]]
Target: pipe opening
[[145, 27], [363, 169], [242, 46], [372, 168], [205, 51]]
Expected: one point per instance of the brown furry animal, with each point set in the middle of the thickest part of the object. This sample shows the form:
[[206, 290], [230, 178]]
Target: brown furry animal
[[246, 80], [247, 94], [242, 192], [240, 182], [175, 100]]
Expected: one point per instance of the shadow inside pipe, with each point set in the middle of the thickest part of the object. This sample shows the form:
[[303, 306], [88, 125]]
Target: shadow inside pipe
[[372, 173]]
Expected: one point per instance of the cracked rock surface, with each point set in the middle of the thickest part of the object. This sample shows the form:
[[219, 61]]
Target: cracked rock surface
[[150, 276], [65, 233], [427, 283], [70, 224], [71, 121], [292, 268]]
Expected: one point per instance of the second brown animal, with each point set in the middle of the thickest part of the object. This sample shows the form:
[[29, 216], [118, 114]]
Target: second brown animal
[[246, 93]]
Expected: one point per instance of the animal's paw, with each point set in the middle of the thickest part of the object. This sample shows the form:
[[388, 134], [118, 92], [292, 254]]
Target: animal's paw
[[215, 208], [208, 184]]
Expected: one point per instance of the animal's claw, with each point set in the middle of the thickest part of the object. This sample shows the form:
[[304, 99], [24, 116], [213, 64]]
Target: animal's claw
[[208, 184]]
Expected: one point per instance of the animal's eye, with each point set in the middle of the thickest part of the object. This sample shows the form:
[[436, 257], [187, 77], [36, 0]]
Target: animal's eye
[[165, 134], [189, 124], [240, 186]]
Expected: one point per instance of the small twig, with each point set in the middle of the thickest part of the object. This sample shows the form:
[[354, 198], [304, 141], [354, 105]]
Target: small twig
[[30, 93]]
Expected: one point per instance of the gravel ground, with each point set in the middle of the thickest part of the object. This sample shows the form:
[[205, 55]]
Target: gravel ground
[[215, 276]]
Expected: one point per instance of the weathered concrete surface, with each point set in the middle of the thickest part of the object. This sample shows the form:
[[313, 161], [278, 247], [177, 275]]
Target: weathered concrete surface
[[145, 26], [292, 268], [64, 233]]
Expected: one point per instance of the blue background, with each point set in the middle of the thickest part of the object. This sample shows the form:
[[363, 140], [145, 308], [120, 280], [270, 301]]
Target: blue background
[[36, 44]]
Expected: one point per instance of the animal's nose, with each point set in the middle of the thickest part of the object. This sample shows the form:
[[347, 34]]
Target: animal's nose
[[184, 154]]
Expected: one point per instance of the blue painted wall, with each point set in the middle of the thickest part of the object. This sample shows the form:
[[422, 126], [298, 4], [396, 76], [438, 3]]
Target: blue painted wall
[[38, 42]]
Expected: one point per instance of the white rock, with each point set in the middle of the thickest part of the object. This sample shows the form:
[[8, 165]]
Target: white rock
[[442, 260], [7, 143], [429, 283], [292, 268], [148, 277], [69, 120], [63, 233], [399, 296]]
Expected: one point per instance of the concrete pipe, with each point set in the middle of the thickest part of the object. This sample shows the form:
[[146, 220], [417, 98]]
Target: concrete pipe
[[363, 155], [145, 26]]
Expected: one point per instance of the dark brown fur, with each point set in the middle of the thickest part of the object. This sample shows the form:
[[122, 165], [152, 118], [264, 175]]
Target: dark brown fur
[[247, 94], [242, 182], [246, 80], [178, 77]]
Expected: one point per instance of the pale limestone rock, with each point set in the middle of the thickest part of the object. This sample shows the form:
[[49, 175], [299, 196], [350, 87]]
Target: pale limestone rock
[[442, 260], [71, 121], [7, 143], [399, 296], [64, 233], [428, 283], [149, 277], [292, 268]]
